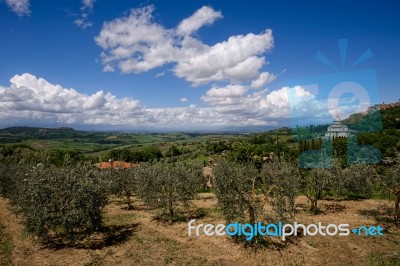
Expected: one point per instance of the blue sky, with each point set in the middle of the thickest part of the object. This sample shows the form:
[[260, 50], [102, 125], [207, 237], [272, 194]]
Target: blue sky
[[192, 64]]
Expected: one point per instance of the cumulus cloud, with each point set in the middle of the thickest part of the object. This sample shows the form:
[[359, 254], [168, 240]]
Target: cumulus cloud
[[19, 7], [228, 95], [204, 16], [264, 79], [136, 43], [86, 9], [261, 107], [184, 100], [31, 99]]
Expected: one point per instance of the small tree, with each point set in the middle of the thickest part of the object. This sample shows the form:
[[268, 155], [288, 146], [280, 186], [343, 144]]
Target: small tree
[[317, 183], [391, 181], [236, 191], [122, 183], [280, 185], [61, 200], [358, 180], [165, 185]]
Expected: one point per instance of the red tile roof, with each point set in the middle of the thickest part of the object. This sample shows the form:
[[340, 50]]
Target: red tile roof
[[115, 165]]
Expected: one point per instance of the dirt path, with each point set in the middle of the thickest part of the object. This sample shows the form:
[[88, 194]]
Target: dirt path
[[156, 243]]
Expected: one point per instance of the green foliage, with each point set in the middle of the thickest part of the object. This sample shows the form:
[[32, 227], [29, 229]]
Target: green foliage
[[339, 147], [7, 180], [236, 192], [318, 182], [147, 154], [245, 195], [218, 147], [122, 182], [358, 181], [242, 152], [280, 184], [162, 185], [173, 151], [309, 132], [391, 182], [63, 201]]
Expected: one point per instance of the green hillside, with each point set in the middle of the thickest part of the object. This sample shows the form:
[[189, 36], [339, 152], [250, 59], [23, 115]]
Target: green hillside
[[379, 128]]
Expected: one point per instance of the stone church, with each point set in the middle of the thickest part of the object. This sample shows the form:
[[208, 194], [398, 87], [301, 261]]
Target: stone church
[[337, 129]]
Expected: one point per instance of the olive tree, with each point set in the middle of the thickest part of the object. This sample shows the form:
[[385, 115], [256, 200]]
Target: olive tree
[[280, 186], [391, 181], [7, 178], [163, 185], [64, 200], [236, 191], [358, 180], [318, 182], [122, 183]]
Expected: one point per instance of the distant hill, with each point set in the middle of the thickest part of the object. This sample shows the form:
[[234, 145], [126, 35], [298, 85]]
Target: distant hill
[[376, 119], [380, 127], [36, 130], [39, 133]]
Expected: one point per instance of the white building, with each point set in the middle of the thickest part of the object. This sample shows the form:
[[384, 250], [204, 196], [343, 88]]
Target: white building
[[337, 129]]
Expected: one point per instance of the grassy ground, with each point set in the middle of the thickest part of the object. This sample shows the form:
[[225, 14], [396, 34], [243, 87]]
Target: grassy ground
[[136, 238]]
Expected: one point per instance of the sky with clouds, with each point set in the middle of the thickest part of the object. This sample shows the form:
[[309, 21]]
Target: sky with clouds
[[194, 65]]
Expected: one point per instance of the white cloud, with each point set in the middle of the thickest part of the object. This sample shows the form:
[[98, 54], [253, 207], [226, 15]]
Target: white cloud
[[264, 79], [19, 7], [184, 100], [86, 9], [204, 16], [160, 74], [226, 95], [261, 107], [30, 99], [136, 43], [88, 4], [83, 23], [108, 68]]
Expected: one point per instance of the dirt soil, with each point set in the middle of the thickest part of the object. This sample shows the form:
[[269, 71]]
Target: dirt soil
[[151, 242]]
